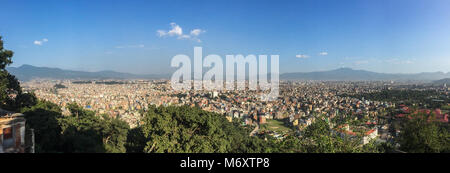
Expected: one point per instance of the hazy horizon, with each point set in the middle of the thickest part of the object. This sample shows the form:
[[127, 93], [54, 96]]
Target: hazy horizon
[[141, 37], [172, 70]]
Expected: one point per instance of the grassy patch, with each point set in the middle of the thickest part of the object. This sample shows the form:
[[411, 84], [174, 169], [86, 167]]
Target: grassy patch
[[276, 125]]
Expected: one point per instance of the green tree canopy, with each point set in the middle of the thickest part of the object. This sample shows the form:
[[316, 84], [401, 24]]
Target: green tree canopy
[[11, 96], [190, 130], [422, 135]]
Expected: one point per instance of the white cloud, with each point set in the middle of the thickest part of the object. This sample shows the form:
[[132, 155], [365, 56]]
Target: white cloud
[[177, 31], [161, 33], [40, 42], [323, 53], [302, 56], [197, 32]]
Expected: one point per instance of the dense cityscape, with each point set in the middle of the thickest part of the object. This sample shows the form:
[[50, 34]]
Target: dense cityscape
[[300, 103]]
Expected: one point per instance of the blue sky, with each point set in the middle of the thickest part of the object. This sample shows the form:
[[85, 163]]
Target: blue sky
[[394, 36]]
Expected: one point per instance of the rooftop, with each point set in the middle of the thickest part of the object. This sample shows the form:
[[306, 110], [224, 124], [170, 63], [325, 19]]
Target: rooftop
[[4, 115]]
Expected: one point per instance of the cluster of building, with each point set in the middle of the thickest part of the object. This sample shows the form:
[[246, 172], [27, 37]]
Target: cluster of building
[[299, 104], [434, 115], [123, 100]]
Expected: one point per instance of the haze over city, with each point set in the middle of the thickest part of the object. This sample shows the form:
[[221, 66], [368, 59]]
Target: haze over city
[[142, 36]]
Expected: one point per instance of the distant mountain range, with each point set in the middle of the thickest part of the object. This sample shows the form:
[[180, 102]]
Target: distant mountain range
[[349, 74], [28, 72], [442, 82]]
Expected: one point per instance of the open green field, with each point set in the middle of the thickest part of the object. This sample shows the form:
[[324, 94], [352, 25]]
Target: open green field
[[277, 126]]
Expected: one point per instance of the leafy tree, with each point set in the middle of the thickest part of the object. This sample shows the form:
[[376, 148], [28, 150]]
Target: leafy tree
[[114, 133], [318, 138], [420, 135], [44, 119], [319, 127], [8, 85], [5, 56], [83, 131], [189, 130], [182, 129], [80, 131], [11, 96], [290, 144], [136, 141]]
